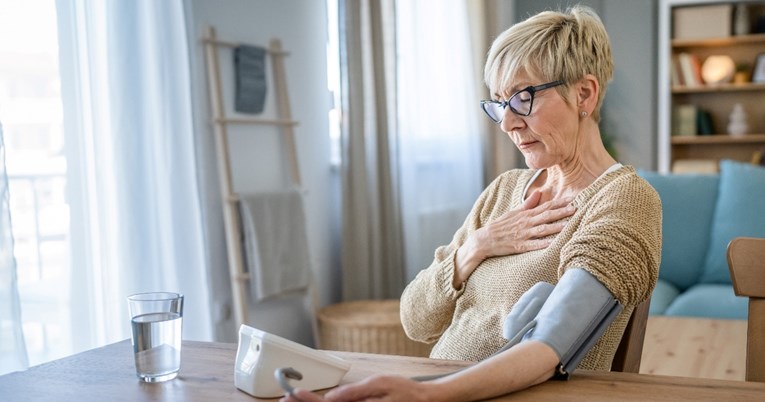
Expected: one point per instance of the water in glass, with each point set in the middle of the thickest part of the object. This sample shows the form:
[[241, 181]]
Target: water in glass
[[157, 345]]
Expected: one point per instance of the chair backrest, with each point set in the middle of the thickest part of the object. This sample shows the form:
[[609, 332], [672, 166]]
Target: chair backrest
[[746, 262], [630, 350]]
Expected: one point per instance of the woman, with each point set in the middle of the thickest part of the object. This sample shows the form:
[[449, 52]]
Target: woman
[[576, 208]]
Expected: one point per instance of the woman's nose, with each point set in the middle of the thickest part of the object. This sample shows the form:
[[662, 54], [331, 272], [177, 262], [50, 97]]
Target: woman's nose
[[511, 121]]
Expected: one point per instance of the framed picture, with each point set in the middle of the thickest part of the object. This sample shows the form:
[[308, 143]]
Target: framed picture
[[758, 74]]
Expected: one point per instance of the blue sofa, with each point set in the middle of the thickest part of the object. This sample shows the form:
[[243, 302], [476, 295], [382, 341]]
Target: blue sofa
[[701, 214]]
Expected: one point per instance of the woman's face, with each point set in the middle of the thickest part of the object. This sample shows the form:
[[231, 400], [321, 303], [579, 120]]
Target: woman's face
[[548, 136]]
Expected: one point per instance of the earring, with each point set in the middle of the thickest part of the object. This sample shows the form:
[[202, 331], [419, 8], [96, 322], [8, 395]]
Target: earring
[[583, 114]]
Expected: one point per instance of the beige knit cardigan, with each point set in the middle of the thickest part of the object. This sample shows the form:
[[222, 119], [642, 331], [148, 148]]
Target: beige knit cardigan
[[615, 235]]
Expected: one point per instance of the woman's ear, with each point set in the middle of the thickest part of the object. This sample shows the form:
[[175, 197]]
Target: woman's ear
[[587, 90]]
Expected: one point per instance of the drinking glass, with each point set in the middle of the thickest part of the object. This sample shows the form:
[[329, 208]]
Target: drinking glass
[[156, 320]]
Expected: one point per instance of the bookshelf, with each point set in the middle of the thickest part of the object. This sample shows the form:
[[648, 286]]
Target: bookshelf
[[717, 100], [719, 139], [677, 89]]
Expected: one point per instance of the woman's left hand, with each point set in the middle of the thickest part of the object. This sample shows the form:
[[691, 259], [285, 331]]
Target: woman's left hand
[[387, 388]]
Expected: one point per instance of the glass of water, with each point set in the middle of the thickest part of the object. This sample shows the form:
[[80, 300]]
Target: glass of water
[[156, 319]]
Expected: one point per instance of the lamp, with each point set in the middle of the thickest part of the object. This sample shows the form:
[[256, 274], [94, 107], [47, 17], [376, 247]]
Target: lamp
[[718, 69]]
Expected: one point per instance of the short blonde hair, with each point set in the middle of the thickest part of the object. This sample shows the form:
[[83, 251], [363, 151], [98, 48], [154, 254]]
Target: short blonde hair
[[553, 46]]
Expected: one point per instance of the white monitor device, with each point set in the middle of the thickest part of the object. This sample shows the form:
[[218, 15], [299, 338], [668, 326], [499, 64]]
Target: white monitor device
[[259, 355]]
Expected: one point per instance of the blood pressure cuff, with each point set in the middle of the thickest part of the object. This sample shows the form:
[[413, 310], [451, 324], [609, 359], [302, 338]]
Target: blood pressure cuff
[[569, 317]]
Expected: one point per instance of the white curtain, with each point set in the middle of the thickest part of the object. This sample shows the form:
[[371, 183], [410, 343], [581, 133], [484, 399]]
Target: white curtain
[[13, 355], [135, 202], [438, 128]]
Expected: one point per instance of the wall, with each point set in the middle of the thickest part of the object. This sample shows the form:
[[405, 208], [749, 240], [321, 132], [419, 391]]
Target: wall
[[629, 109], [256, 151]]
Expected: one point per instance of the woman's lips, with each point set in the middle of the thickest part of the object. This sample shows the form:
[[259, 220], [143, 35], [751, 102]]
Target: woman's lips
[[527, 144]]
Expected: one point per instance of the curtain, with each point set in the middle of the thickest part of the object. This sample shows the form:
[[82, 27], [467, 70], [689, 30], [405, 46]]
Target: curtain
[[13, 355], [135, 203], [489, 18], [411, 139], [372, 248], [439, 129]]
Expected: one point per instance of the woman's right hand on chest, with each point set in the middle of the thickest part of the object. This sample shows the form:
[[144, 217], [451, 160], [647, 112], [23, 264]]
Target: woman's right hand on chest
[[526, 228]]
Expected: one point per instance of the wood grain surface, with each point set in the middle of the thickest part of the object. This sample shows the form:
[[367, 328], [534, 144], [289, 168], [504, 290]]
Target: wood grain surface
[[108, 374], [695, 347]]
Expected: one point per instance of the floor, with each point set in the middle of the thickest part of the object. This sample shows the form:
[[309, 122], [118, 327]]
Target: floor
[[694, 347]]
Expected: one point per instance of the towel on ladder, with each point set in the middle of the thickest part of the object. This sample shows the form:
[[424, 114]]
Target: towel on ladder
[[275, 242], [250, 68]]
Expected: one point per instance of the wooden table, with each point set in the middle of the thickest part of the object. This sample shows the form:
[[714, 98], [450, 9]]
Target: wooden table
[[695, 347], [107, 374]]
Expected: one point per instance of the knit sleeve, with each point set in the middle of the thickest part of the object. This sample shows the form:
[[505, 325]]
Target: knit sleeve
[[619, 239], [429, 301]]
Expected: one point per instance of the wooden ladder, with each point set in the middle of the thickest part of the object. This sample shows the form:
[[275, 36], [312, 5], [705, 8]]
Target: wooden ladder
[[238, 275]]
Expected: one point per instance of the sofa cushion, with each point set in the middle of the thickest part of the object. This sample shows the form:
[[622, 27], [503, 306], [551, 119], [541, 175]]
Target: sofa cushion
[[709, 300], [739, 212], [688, 203], [662, 297]]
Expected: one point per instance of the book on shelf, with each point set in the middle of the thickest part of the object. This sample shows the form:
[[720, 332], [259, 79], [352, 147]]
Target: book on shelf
[[684, 120], [677, 76], [704, 125], [702, 22], [695, 166], [689, 69]]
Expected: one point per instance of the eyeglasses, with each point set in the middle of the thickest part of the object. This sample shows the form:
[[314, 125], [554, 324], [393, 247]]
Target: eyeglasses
[[520, 103]]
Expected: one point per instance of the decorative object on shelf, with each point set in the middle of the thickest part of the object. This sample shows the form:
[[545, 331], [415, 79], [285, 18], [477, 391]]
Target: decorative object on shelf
[[757, 157], [703, 22], [741, 24], [742, 73], [718, 69], [738, 125], [758, 74]]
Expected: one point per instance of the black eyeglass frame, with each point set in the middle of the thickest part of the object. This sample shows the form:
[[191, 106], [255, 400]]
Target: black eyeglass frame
[[532, 90]]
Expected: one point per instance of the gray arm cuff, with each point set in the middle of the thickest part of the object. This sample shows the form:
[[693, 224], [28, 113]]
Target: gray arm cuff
[[570, 317]]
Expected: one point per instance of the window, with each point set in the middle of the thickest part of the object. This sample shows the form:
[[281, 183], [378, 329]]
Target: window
[[32, 118]]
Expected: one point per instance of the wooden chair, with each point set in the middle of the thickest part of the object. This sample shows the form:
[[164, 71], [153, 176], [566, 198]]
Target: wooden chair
[[630, 350], [746, 261]]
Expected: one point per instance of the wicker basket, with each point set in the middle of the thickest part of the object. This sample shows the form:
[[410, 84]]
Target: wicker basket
[[367, 326]]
